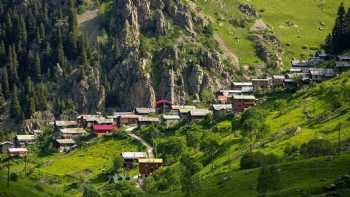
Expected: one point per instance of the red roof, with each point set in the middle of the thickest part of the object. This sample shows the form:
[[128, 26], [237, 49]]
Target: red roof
[[97, 127], [162, 102]]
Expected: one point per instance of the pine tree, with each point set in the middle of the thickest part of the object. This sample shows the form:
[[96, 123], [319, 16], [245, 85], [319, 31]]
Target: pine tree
[[73, 30], [22, 31], [5, 83], [37, 67], [42, 97], [15, 108], [2, 98], [338, 34], [347, 29], [2, 53], [13, 65]]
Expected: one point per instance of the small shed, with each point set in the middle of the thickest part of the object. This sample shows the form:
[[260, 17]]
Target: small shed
[[170, 120], [128, 119], [221, 110], [198, 114], [148, 166], [17, 152], [145, 111], [23, 140], [64, 145], [147, 121]]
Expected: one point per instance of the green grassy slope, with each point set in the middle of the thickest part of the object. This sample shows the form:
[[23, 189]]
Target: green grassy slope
[[61, 171], [297, 24]]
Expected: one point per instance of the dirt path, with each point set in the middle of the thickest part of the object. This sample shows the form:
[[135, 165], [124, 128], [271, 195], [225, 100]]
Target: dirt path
[[148, 146], [227, 51], [88, 22]]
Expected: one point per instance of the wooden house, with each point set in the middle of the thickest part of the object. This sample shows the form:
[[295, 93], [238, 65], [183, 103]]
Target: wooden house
[[181, 109], [319, 74], [240, 85], [342, 66], [87, 121], [64, 145], [278, 81], [72, 133], [17, 152], [103, 129], [290, 84], [170, 120], [148, 166], [242, 102], [5, 146], [59, 124], [144, 111], [23, 140], [147, 121], [128, 119], [131, 158], [221, 110], [262, 84], [197, 114]]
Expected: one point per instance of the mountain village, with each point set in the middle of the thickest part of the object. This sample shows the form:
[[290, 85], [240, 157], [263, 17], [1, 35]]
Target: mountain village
[[239, 98]]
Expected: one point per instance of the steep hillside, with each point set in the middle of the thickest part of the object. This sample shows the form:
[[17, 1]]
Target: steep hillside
[[300, 26]]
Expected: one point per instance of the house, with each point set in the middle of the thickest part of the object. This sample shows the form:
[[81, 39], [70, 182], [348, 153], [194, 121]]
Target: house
[[247, 90], [278, 81], [261, 84], [170, 120], [148, 166], [17, 152], [221, 110], [163, 106], [104, 121], [299, 63], [319, 74], [147, 121], [302, 76], [130, 158], [342, 66], [197, 114], [87, 121], [222, 99], [178, 109], [23, 140], [290, 84], [127, 119], [72, 133], [64, 145], [230, 93], [65, 124], [144, 111], [343, 58], [240, 85], [242, 102], [103, 129], [5, 146]]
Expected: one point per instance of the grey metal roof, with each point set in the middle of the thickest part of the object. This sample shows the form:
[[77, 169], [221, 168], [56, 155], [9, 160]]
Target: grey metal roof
[[219, 107], [199, 112], [145, 110]]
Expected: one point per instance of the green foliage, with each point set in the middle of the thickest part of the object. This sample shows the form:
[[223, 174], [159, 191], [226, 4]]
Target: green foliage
[[317, 147], [118, 162], [207, 96], [171, 149], [269, 179], [257, 159], [46, 142]]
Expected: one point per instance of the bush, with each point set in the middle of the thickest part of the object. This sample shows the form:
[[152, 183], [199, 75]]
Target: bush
[[257, 159], [316, 148], [268, 179], [13, 177]]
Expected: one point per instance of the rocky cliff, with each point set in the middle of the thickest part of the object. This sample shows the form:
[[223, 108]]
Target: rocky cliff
[[151, 38]]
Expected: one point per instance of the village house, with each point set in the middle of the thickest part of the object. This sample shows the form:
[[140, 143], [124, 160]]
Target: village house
[[342, 66], [131, 158], [87, 121], [5, 146], [72, 133], [17, 152], [240, 85], [302, 76], [59, 124], [299, 63], [242, 102], [262, 84], [148, 166], [144, 111], [127, 119], [197, 114], [290, 84], [221, 110], [147, 121], [163, 106], [278, 81], [222, 99], [170, 120], [181, 109], [319, 74], [23, 140], [103, 129], [64, 145]]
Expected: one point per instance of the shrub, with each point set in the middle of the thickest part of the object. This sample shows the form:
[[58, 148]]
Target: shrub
[[316, 148], [13, 177], [268, 179], [257, 159]]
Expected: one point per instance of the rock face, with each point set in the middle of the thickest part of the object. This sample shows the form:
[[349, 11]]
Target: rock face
[[138, 79]]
